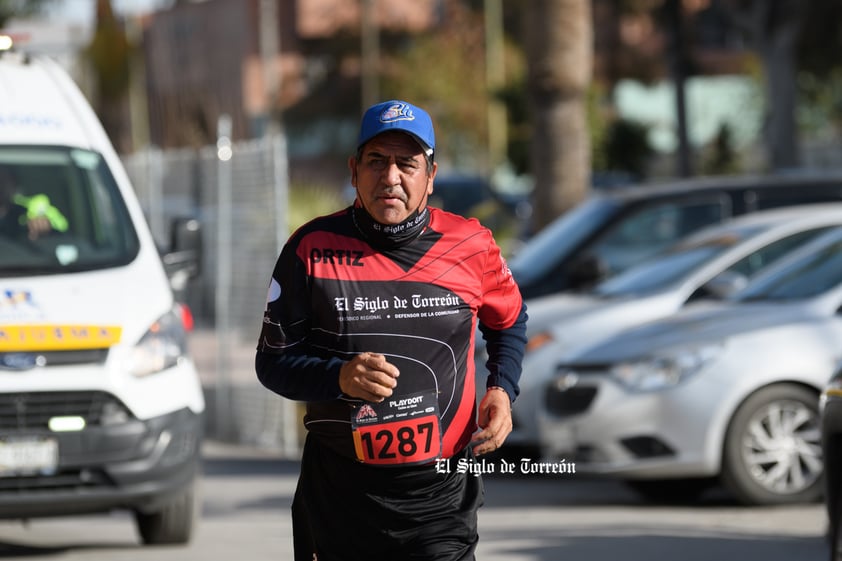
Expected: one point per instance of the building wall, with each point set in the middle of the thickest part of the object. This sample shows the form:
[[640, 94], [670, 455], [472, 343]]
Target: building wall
[[194, 69]]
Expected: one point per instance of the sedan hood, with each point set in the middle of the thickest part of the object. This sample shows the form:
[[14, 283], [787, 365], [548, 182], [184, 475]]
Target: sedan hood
[[546, 311], [709, 321]]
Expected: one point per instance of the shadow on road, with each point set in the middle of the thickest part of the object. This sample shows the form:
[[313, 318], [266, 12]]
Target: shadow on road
[[647, 543], [237, 467], [20, 550]]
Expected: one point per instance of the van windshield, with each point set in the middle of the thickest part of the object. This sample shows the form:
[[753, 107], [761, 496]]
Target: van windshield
[[60, 211]]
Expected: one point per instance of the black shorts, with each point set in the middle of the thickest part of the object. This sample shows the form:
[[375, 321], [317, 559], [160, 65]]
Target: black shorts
[[344, 510]]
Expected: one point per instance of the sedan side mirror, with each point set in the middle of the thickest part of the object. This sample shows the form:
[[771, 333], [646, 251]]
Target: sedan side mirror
[[587, 271], [724, 284]]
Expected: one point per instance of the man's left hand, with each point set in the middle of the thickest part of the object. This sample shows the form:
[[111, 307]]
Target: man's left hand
[[495, 420]]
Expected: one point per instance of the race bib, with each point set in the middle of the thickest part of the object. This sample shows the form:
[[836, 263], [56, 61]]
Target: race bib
[[398, 431]]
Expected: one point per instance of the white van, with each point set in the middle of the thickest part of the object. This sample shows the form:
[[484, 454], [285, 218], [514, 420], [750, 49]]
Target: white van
[[100, 406]]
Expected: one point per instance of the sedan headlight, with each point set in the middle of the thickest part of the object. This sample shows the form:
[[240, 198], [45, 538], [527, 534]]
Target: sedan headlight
[[161, 347], [664, 369]]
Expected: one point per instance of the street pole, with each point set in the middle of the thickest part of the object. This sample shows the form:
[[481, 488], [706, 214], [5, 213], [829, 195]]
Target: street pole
[[223, 413], [495, 78], [679, 76], [275, 139]]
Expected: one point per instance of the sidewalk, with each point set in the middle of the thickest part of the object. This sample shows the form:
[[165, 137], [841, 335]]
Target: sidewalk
[[204, 345], [239, 410]]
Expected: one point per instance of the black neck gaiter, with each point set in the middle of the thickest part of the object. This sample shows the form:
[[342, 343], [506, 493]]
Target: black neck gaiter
[[389, 236]]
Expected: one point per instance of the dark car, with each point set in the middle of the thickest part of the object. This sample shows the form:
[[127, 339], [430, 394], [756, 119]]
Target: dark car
[[618, 227], [831, 427]]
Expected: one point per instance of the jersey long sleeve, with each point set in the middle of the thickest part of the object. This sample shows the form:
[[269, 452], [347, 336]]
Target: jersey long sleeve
[[505, 354], [333, 296]]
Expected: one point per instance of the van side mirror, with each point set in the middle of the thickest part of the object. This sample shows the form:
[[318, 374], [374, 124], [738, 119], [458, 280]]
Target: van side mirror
[[183, 260]]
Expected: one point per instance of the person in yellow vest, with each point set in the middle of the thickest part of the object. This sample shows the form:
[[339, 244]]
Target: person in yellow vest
[[22, 216]]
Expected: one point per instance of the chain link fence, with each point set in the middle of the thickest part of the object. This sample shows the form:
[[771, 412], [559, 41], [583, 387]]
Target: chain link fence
[[242, 204], [238, 192]]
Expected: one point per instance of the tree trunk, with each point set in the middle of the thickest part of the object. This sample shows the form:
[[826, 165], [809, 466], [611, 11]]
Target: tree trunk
[[778, 54], [559, 42], [774, 26]]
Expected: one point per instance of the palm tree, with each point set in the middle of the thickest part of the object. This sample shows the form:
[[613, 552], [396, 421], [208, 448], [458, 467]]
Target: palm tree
[[559, 48]]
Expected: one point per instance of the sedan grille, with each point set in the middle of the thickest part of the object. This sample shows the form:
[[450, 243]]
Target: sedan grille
[[569, 401]]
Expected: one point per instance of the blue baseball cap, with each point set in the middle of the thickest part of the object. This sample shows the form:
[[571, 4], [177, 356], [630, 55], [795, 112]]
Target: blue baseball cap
[[396, 115]]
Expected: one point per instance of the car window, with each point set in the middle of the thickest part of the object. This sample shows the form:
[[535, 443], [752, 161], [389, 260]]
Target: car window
[[677, 263], [459, 194], [810, 275], [802, 194], [652, 228], [764, 256], [72, 196], [541, 253], [657, 274]]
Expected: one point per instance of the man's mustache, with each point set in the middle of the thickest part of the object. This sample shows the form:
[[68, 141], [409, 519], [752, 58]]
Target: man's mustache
[[392, 193]]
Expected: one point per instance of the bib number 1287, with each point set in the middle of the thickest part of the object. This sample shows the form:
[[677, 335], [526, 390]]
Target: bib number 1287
[[399, 442], [404, 430]]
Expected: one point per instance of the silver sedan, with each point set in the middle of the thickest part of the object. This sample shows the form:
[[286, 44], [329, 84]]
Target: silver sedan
[[719, 390]]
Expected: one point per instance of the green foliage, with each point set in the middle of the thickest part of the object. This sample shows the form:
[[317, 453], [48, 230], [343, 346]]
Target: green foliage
[[513, 97], [309, 201], [821, 114], [626, 147], [599, 119], [444, 71], [721, 157], [110, 54]]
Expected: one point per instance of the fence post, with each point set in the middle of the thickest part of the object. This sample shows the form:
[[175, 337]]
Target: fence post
[[155, 194], [280, 169], [223, 279]]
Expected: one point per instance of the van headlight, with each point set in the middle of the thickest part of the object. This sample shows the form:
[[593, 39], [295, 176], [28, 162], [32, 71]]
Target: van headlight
[[665, 369], [161, 347]]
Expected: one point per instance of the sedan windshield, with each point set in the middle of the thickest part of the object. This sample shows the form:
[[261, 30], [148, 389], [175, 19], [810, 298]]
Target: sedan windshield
[[60, 211], [814, 272], [540, 254], [673, 265]]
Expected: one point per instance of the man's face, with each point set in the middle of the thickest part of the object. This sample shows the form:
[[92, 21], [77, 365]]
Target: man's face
[[391, 177]]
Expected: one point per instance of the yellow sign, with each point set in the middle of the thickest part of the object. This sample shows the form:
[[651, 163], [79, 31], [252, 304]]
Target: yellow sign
[[16, 338]]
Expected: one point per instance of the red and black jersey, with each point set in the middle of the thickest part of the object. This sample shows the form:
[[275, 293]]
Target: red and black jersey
[[333, 296]]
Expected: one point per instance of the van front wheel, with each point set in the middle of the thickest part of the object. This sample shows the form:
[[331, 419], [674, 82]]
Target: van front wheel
[[172, 524]]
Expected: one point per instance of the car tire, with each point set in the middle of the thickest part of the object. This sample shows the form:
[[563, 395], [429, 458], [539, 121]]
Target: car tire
[[171, 524], [670, 491], [772, 449]]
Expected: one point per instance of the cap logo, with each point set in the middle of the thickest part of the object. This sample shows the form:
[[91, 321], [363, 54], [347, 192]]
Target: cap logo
[[397, 112]]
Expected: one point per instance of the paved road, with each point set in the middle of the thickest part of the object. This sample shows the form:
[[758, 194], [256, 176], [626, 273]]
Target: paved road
[[247, 494]]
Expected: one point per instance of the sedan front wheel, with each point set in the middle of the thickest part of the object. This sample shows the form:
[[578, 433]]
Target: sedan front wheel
[[772, 451]]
